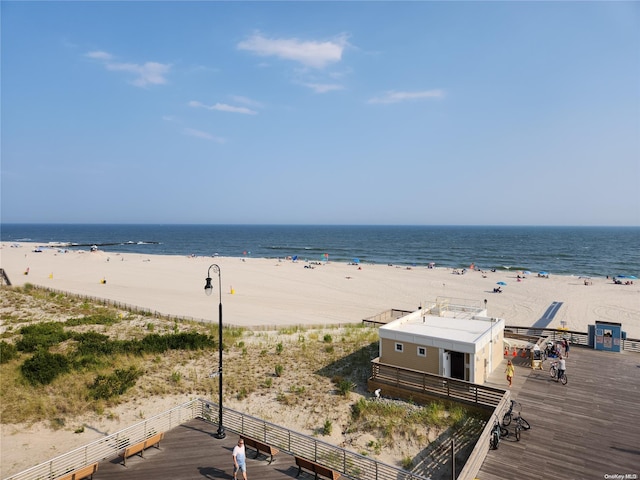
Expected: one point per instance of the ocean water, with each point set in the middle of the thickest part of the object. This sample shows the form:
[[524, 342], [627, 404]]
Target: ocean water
[[581, 251]]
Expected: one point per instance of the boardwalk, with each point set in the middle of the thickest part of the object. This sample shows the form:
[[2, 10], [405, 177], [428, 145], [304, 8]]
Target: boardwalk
[[585, 430], [191, 452]]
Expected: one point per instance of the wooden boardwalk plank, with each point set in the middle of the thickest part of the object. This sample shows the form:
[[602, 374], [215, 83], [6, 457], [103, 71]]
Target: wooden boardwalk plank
[[190, 451], [584, 430]]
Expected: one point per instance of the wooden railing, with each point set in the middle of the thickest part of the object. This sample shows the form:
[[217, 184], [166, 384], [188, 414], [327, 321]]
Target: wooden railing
[[574, 338], [4, 278], [414, 381], [476, 458]]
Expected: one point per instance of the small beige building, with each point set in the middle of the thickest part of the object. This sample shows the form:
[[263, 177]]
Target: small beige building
[[445, 338]]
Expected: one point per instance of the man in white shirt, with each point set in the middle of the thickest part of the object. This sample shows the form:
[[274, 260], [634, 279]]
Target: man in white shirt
[[239, 460], [562, 367]]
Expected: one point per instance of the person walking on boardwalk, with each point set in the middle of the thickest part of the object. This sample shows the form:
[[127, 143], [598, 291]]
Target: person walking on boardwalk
[[562, 367], [565, 344], [510, 371], [239, 460]]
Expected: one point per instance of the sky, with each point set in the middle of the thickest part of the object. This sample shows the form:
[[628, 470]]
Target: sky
[[344, 113]]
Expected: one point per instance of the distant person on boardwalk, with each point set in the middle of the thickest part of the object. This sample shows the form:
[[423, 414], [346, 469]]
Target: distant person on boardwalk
[[239, 460], [510, 371], [562, 367], [565, 344]]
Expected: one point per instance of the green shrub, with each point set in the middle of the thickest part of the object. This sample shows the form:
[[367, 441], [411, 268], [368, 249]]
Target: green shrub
[[279, 370], [41, 335], [279, 348], [344, 386], [43, 367], [108, 386], [95, 319], [242, 394], [327, 338], [327, 428], [8, 352]]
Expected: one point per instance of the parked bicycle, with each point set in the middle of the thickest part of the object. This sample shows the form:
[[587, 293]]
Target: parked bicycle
[[497, 432], [553, 372], [506, 419], [521, 424]]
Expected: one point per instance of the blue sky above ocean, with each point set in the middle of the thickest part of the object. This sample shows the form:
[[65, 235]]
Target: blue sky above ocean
[[353, 113]]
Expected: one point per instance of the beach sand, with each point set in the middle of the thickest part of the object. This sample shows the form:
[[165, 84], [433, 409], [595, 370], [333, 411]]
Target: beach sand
[[264, 293], [268, 293]]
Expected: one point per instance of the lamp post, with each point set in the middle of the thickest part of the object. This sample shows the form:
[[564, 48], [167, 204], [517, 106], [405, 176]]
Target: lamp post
[[208, 289]]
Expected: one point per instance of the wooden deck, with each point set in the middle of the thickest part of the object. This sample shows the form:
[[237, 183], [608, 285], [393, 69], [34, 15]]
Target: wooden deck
[[190, 451], [583, 430]]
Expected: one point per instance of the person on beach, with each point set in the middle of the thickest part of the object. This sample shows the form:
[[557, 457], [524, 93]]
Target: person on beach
[[510, 371], [239, 460]]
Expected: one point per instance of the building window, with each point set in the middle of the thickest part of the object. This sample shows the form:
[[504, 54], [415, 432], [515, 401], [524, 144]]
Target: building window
[[399, 347], [422, 351]]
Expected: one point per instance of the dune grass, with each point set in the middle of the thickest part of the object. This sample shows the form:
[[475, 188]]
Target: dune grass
[[318, 372]]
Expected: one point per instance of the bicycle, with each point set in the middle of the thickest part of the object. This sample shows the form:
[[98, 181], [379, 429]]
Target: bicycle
[[497, 432], [506, 419], [553, 372], [521, 424]]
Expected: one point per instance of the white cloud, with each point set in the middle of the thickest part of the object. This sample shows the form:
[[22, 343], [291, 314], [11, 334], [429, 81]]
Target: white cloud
[[149, 73], [99, 55], [323, 87], [309, 53], [246, 101], [396, 97], [192, 132], [223, 107]]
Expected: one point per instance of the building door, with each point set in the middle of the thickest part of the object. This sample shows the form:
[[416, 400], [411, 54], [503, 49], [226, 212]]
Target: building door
[[457, 365], [446, 364]]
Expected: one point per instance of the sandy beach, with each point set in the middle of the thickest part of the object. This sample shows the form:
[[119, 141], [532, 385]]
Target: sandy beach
[[264, 293]]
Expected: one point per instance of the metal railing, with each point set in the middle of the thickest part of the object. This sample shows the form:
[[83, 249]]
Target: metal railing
[[350, 464], [112, 445], [574, 337]]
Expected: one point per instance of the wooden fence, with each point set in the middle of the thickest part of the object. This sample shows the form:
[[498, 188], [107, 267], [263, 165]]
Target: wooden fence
[[413, 383]]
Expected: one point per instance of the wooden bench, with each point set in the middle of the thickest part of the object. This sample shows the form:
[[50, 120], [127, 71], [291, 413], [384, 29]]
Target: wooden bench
[[153, 441], [81, 473], [316, 468], [260, 446]]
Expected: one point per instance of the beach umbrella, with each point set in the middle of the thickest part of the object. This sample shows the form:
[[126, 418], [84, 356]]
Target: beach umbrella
[[501, 283], [632, 277], [543, 273], [356, 260], [527, 272]]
